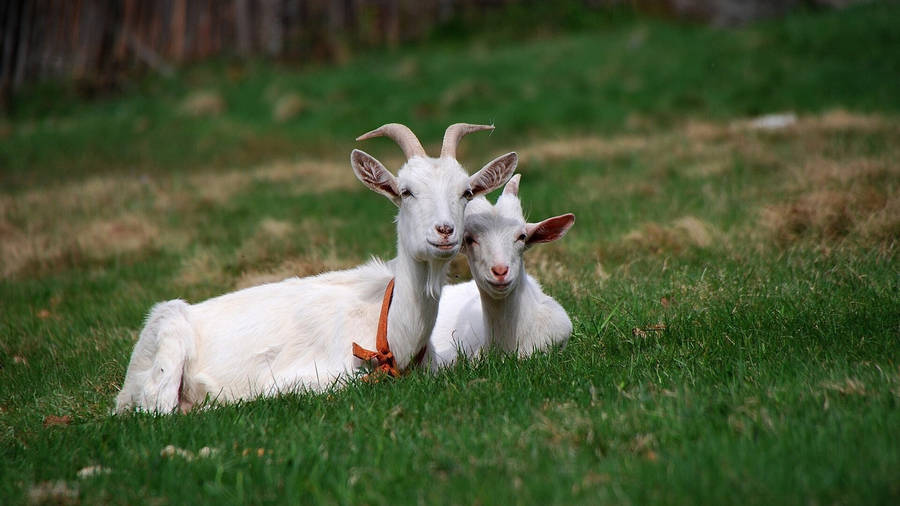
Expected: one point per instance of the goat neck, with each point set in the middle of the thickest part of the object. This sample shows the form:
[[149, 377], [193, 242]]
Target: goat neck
[[417, 290], [506, 319]]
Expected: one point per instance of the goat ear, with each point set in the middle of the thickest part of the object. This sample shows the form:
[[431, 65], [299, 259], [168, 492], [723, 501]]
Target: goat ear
[[512, 186], [494, 174], [374, 175], [548, 230]]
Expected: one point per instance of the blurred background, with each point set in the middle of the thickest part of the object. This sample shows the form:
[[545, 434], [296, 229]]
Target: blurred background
[[100, 41], [123, 85]]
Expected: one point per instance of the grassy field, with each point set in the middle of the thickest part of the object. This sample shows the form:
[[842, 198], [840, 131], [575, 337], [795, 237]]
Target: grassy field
[[735, 291]]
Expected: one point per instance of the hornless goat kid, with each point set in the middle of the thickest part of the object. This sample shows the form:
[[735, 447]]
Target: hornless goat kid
[[299, 333], [502, 306]]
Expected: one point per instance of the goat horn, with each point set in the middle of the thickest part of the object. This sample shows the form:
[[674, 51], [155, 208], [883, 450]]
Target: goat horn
[[401, 134], [454, 133]]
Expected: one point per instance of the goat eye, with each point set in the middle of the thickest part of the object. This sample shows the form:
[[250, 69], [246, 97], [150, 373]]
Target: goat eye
[[406, 193], [521, 237], [470, 240], [468, 195]]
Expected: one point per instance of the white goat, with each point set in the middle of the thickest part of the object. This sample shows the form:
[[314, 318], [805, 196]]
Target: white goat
[[502, 306], [298, 333]]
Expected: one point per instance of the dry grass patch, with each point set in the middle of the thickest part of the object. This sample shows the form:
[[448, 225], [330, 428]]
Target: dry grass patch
[[831, 215], [835, 199], [103, 238], [847, 386], [582, 147], [307, 265], [287, 107], [593, 187], [40, 249], [550, 263], [53, 492], [259, 258], [306, 176], [835, 189], [707, 168], [839, 119], [563, 425], [58, 227], [706, 148], [680, 234], [751, 417], [100, 217], [202, 266], [203, 103], [835, 193], [273, 237]]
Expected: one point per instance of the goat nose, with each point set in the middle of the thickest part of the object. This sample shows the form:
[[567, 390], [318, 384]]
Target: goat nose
[[444, 229], [500, 270]]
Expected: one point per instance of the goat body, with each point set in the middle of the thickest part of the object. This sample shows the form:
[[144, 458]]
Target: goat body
[[502, 307], [276, 337], [298, 333], [526, 321]]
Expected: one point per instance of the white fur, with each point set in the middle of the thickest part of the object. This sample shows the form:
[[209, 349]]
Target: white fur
[[298, 333], [518, 318]]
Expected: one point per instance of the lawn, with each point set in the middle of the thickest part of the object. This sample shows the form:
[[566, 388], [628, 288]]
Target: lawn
[[735, 290]]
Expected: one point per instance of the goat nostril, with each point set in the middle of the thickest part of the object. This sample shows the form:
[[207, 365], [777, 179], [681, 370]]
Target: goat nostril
[[444, 229], [500, 270]]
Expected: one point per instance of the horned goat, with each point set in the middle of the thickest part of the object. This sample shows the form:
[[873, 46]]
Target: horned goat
[[502, 307], [298, 333]]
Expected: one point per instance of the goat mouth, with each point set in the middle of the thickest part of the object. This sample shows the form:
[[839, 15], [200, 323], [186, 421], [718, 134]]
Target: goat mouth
[[447, 246], [500, 285]]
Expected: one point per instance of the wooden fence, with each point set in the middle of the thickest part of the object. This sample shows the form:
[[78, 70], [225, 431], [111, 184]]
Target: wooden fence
[[98, 40]]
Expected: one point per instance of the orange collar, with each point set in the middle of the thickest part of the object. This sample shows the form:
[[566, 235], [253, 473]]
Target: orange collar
[[387, 364]]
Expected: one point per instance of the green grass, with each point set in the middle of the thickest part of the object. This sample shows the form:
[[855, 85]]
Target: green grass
[[769, 257]]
